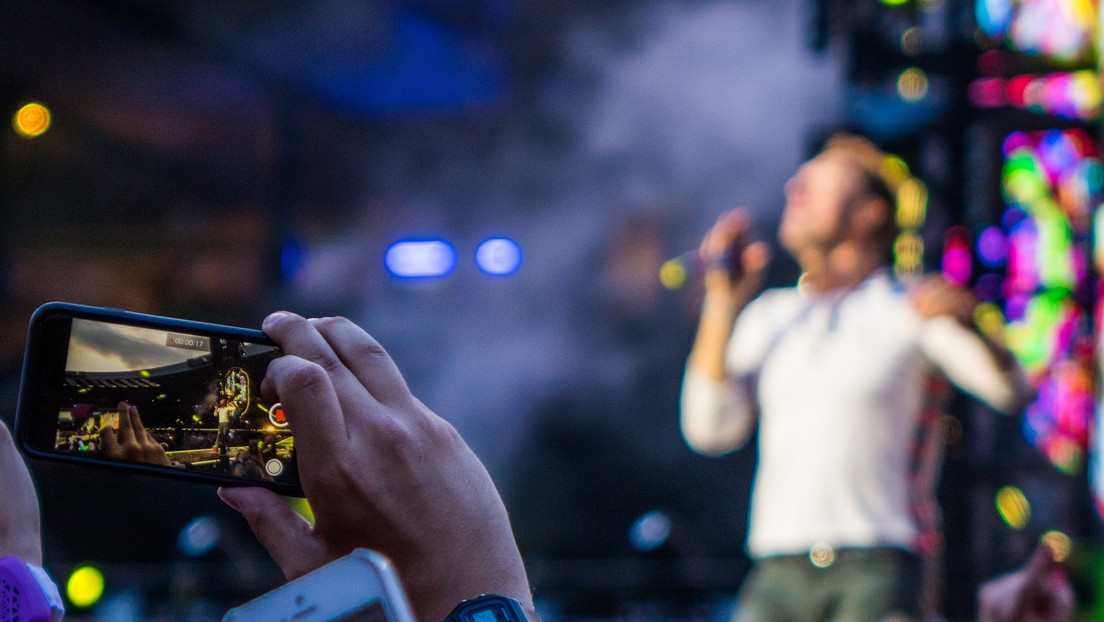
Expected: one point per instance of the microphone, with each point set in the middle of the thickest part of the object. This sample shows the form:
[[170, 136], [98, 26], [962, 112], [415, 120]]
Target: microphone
[[676, 271]]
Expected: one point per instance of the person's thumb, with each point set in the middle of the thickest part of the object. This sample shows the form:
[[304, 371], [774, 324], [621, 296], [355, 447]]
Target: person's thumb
[[286, 536]]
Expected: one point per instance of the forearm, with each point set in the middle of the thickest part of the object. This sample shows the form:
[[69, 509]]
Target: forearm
[[715, 416], [978, 363], [707, 356]]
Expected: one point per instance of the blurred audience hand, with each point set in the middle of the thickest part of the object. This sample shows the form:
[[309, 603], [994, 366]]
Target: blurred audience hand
[[934, 296], [20, 531], [132, 441], [381, 471], [1037, 592]]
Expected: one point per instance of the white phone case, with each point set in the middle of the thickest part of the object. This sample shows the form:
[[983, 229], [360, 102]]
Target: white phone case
[[360, 587]]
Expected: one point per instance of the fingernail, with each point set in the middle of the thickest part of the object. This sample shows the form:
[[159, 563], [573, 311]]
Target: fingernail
[[273, 318], [229, 496]]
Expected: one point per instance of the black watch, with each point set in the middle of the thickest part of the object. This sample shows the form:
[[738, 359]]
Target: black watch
[[488, 608]]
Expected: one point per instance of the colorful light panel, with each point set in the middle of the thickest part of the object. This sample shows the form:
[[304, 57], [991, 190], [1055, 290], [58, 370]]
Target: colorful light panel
[[1061, 29], [1072, 95], [1051, 183]]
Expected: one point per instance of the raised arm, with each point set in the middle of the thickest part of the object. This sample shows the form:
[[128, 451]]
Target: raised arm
[[977, 362], [716, 411]]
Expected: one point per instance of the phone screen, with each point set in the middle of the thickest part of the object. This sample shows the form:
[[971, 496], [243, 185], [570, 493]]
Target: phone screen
[[179, 399]]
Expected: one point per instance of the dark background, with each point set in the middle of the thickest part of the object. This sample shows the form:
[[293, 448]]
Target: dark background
[[216, 161]]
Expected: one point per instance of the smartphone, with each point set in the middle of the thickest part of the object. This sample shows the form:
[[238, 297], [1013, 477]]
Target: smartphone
[[360, 587], [155, 395]]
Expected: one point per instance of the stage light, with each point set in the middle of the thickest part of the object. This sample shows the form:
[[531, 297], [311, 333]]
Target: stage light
[[672, 274], [908, 255], [987, 92], [650, 531], [85, 586], [31, 120], [912, 41], [498, 256], [1060, 545], [991, 248], [199, 537], [912, 84], [994, 16], [895, 169], [989, 319], [291, 258], [420, 259], [957, 263], [894, 2], [1013, 507], [912, 204]]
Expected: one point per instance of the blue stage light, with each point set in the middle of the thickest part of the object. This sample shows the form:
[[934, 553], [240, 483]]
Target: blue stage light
[[498, 256], [420, 259]]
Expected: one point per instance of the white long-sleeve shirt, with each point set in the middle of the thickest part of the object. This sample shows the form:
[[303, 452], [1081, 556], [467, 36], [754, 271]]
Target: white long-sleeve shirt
[[837, 381]]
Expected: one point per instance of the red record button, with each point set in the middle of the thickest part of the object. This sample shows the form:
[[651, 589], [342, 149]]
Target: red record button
[[277, 416]]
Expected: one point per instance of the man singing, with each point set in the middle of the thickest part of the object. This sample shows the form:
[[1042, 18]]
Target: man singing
[[834, 369]]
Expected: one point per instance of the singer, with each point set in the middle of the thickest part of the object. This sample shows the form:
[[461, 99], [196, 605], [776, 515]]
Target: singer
[[835, 371]]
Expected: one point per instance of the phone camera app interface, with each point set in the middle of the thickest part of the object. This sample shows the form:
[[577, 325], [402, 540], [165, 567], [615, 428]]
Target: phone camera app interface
[[186, 401]]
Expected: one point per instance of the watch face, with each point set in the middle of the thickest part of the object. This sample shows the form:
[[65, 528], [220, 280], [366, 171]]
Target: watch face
[[488, 608], [486, 615]]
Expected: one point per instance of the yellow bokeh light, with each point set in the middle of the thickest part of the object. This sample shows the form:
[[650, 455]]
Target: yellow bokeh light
[[31, 120], [912, 204], [895, 2], [895, 169], [672, 274], [1013, 507], [989, 319], [1060, 545], [85, 586], [912, 84]]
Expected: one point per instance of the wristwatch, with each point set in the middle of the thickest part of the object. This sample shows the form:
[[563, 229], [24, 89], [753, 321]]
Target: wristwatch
[[488, 608], [27, 594]]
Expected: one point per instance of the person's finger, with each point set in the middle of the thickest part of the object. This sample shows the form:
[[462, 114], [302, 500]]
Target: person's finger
[[756, 257], [136, 426], [110, 442], [284, 534], [300, 338], [313, 410], [19, 518], [365, 358], [126, 435]]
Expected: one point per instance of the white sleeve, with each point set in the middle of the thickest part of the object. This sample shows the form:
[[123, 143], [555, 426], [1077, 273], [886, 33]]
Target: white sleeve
[[716, 416], [967, 362]]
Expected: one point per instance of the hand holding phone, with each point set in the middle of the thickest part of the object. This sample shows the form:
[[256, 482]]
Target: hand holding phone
[[152, 394], [381, 471]]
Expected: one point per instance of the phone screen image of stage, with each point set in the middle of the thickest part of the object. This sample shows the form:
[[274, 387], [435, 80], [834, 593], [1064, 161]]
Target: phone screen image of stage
[[187, 401]]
